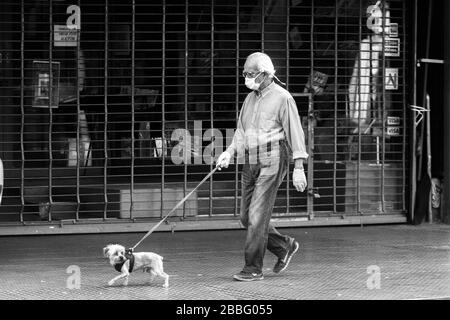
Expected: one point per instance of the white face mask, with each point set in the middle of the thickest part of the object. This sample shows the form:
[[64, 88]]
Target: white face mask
[[251, 84]]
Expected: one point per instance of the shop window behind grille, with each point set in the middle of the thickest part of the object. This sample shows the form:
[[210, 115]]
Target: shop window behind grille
[[133, 76]]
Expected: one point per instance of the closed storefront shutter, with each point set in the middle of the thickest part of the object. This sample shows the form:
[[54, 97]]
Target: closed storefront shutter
[[115, 110]]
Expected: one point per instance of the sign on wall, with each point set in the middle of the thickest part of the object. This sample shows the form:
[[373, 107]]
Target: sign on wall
[[391, 79], [67, 35], [392, 47], [74, 20], [64, 37], [44, 84], [393, 131], [393, 121], [393, 128], [393, 30]]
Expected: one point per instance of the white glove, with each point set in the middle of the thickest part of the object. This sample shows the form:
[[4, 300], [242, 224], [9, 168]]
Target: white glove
[[224, 160], [299, 180]]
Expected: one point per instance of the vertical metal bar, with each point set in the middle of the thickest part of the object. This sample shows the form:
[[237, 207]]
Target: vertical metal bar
[[358, 174], [336, 39], [425, 87], [133, 53], [211, 180], [309, 198], [77, 213], [236, 172], [288, 26], [309, 195], [105, 102], [22, 108], [413, 129], [446, 167], [263, 14], [429, 157], [163, 106], [186, 62], [50, 126], [383, 109], [404, 109]]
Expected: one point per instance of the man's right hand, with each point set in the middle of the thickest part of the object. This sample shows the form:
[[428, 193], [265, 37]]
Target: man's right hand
[[224, 160]]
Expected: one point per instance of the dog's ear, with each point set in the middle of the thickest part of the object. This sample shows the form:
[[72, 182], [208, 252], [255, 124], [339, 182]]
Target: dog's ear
[[105, 251]]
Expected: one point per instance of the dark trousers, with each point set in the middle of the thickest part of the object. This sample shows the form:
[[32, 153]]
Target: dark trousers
[[260, 183]]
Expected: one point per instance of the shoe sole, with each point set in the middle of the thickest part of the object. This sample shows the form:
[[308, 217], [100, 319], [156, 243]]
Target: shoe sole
[[247, 280], [297, 246]]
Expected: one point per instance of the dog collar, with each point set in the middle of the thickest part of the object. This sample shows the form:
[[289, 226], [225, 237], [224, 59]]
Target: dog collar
[[129, 257]]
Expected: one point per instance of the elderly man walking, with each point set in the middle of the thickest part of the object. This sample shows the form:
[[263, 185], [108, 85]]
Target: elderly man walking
[[269, 132]]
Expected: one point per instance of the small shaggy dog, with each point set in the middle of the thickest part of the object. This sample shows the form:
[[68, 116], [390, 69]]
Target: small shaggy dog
[[126, 262]]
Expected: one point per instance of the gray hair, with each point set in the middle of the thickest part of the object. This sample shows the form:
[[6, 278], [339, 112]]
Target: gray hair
[[263, 62]]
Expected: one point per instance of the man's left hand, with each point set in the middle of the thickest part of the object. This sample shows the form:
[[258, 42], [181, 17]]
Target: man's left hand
[[299, 180]]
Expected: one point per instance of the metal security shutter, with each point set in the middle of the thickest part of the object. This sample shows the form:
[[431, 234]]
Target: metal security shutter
[[137, 85], [360, 109]]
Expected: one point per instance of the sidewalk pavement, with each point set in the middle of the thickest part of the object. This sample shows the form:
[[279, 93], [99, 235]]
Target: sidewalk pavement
[[376, 262]]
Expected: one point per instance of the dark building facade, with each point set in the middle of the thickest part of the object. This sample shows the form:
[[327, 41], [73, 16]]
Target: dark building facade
[[112, 110]]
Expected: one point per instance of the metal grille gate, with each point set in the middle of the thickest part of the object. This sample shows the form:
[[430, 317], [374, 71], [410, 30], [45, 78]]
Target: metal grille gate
[[122, 76]]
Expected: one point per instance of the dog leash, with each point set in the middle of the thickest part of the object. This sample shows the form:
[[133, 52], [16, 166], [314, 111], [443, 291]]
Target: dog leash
[[173, 210]]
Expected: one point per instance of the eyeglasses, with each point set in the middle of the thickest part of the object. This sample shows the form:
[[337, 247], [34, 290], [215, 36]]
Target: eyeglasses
[[246, 74]]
